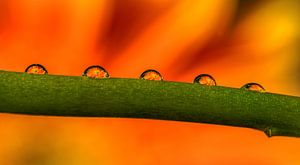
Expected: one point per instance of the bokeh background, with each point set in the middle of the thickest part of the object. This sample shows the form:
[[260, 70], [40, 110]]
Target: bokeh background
[[235, 41]]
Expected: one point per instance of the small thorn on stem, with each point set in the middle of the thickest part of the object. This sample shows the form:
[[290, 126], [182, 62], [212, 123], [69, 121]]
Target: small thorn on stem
[[268, 132]]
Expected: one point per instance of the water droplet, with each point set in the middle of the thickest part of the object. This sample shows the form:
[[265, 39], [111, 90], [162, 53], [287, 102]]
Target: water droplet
[[96, 72], [36, 69], [254, 87], [151, 75], [205, 79]]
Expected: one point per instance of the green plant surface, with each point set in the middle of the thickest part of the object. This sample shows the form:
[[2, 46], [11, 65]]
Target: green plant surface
[[21, 93]]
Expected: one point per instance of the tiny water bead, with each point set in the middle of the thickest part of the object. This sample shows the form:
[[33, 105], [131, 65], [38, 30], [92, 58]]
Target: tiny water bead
[[254, 87], [151, 75], [205, 79], [36, 69], [96, 72]]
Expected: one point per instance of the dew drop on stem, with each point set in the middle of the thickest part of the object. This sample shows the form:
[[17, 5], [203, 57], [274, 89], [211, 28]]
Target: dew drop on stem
[[254, 87], [36, 69], [205, 79], [95, 71], [151, 75]]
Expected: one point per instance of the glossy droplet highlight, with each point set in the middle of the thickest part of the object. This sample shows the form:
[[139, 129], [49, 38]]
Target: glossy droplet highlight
[[36, 69], [254, 87], [205, 79], [96, 72], [151, 75]]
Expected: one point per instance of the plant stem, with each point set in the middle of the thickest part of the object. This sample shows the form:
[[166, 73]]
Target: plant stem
[[133, 98]]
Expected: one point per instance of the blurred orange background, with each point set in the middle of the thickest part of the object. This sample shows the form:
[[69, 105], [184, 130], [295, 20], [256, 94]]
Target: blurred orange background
[[234, 41]]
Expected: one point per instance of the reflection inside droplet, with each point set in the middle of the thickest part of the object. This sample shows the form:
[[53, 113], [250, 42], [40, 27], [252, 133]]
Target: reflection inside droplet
[[205, 79], [96, 72], [151, 75], [36, 69]]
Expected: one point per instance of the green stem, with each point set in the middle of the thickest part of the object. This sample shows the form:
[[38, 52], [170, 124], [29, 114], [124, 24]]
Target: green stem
[[133, 98]]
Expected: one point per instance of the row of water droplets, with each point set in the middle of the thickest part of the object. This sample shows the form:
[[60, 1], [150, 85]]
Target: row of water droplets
[[99, 72]]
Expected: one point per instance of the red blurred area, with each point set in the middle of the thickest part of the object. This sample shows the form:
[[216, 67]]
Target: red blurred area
[[235, 41]]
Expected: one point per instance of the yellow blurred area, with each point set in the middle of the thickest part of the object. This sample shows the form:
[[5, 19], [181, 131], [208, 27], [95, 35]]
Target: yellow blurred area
[[235, 41]]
